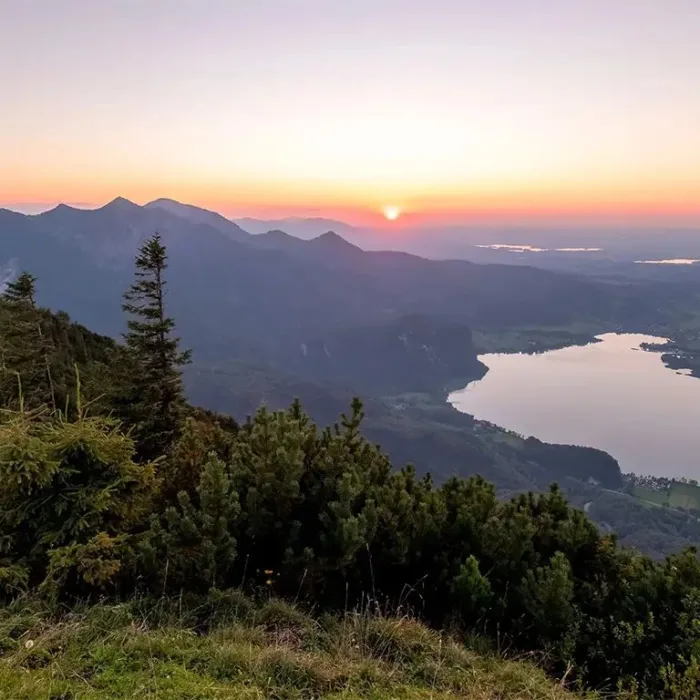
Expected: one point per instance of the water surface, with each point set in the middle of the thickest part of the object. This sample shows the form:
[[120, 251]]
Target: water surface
[[669, 261], [527, 248], [611, 395]]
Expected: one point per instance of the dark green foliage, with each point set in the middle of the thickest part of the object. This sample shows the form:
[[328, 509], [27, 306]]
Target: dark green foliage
[[22, 290], [584, 463], [202, 434], [319, 515], [40, 352], [472, 590], [154, 402], [547, 595], [27, 349], [412, 353], [70, 498], [194, 538], [277, 505]]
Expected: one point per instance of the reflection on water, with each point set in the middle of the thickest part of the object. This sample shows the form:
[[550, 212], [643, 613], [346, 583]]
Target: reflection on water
[[525, 248], [611, 395], [669, 261], [513, 248]]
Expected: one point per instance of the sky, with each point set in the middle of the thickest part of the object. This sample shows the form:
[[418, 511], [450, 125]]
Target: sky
[[451, 110]]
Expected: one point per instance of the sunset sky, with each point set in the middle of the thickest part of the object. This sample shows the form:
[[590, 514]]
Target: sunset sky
[[450, 110]]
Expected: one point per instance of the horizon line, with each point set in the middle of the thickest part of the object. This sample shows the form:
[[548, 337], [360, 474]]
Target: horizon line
[[407, 221]]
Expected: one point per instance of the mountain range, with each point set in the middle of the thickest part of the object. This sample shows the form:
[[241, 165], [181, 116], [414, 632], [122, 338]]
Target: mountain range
[[272, 284], [321, 309], [299, 227], [271, 317]]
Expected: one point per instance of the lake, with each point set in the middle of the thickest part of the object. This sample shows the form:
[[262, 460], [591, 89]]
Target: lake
[[611, 395]]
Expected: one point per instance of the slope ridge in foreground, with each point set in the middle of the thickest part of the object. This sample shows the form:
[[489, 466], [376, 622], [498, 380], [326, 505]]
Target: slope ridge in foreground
[[226, 647]]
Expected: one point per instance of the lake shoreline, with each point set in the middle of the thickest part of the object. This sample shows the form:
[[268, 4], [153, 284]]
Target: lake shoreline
[[531, 340], [551, 395]]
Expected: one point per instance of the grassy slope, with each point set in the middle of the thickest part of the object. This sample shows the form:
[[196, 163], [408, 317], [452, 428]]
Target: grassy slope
[[227, 648], [684, 496], [679, 495]]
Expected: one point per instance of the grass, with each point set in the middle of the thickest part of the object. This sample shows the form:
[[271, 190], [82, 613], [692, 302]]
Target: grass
[[657, 498], [678, 495], [229, 648], [684, 496]]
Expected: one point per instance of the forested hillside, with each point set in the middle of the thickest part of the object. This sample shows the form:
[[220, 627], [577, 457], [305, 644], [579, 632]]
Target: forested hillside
[[114, 486], [267, 301], [272, 318]]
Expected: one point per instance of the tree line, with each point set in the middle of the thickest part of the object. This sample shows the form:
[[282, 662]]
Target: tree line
[[113, 485]]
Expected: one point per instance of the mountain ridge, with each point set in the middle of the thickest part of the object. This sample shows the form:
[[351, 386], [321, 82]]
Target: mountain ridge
[[297, 226], [389, 282], [386, 325], [198, 215]]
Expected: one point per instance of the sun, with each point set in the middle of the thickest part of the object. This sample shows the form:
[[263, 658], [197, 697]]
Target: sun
[[392, 213]]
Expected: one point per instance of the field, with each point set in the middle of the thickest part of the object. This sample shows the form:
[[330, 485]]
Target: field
[[230, 649], [684, 496], [679, 495]]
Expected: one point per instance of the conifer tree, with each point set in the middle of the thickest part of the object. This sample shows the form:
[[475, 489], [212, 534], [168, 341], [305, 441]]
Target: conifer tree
[[71, 496], [27, 349], [22, 290], [156, 403], [192, 544]]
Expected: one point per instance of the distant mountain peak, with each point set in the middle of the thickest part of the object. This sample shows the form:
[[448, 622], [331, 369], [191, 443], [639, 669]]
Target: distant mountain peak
[[300, 227], [163, 201], [331, 238], [278, 233], [198, 215], [60, 208], [121, 203], [279, 240]]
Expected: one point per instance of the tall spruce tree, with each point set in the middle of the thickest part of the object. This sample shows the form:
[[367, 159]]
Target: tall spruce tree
[[156, 400]]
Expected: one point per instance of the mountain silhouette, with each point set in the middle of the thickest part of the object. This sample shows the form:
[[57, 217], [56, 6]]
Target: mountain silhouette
[[263, 298], [198, 215]]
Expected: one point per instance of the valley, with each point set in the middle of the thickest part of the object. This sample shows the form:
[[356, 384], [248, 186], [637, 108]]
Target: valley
[[271, 318], [349, 351], [271, 477]]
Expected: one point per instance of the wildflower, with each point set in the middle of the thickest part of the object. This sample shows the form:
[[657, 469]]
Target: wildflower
[[269, 582], [29, 644], [269, 572]]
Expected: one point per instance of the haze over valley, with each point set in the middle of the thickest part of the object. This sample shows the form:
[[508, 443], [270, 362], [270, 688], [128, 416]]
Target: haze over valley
[[271, 317]]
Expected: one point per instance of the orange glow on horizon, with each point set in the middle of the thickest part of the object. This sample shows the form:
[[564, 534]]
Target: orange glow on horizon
[[363, 203], [472, 115]]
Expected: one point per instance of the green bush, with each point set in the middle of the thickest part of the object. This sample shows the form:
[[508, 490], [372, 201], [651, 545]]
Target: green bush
[[278, 507]]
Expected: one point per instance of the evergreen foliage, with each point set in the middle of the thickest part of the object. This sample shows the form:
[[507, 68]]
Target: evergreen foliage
[[71, 496], [155, 401], [39, 352], [194, 537], [25, 348], [22, 290], [278, 505]]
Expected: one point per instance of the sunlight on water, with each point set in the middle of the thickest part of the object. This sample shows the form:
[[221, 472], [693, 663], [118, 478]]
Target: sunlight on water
[[524, 248], [669, 261], [611, 395]]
